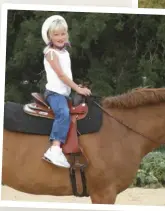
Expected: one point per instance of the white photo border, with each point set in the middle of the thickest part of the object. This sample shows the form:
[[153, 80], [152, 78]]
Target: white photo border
[[67, 8]]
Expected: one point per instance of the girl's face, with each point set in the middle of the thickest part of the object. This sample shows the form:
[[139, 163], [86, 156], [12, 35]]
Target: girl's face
[[59, 37]]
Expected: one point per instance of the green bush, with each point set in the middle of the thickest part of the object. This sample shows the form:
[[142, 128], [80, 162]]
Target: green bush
[[160, 149], [151, 173]]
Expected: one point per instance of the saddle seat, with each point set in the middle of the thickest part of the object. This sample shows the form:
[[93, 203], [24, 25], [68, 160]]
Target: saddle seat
[[41, 108], [78, 110]]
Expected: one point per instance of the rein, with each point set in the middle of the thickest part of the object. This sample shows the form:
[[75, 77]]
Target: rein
[[121, 122]]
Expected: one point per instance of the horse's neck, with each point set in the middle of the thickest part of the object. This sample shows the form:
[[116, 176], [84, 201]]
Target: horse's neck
[[148, 121]]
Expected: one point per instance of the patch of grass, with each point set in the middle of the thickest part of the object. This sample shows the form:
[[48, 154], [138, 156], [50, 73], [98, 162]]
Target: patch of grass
[[151, 4]]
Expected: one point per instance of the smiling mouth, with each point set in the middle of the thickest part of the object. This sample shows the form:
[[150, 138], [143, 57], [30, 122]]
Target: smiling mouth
[[60, 42]]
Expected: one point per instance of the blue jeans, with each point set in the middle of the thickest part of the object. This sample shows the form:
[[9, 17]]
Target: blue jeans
[[61, 124]]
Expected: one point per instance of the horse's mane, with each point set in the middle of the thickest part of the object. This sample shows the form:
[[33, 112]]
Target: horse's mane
[[135, 97]]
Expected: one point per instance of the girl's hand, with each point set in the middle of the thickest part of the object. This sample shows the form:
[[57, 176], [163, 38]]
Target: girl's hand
[[83, 91]]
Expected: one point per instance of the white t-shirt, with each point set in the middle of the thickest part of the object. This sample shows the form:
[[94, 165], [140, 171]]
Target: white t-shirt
[[53, 82]]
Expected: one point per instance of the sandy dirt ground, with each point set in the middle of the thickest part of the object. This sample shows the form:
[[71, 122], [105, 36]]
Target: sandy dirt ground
[[131, 196]]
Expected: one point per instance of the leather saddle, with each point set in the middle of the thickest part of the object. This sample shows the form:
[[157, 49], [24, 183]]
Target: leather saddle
[[78, 110]]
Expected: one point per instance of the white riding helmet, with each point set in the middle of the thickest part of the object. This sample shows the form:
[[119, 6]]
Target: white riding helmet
[[47, 24]]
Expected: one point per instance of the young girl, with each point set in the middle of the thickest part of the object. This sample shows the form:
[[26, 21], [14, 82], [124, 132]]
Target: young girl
[[59, 84]]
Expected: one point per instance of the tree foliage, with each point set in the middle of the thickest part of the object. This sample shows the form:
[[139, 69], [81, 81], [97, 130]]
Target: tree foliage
[[112, 52]]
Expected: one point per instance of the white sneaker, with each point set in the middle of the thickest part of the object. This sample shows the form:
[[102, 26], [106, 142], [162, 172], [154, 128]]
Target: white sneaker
[[56, 156]]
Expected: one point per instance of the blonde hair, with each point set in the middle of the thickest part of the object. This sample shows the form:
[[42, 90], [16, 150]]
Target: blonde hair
[[56, 25]]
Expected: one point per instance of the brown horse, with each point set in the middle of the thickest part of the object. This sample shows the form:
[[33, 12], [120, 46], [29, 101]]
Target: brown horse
[[133, 125]]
